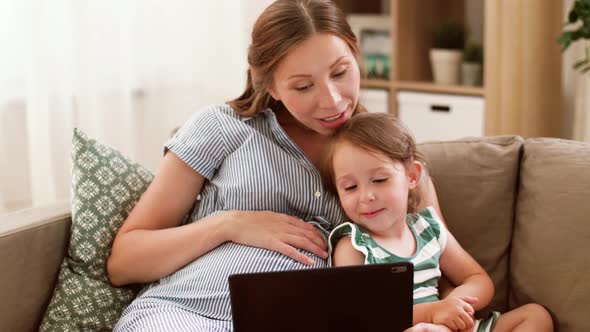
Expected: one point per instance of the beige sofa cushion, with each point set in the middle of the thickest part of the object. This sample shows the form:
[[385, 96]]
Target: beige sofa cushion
[[550, 262], [32, 245], [475, 179]]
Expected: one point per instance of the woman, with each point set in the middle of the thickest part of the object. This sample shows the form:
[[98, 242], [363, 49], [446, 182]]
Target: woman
[[252, 163]]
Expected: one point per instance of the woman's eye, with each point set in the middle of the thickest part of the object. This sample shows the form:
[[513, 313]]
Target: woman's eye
[[380, 180], [349, 188], [340, 73]]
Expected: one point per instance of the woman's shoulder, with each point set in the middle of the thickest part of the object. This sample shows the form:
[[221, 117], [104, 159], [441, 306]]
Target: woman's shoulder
[[221, 113], [214, 110]]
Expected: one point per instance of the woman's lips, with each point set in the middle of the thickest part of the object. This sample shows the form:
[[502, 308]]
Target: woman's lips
[[335, 123]]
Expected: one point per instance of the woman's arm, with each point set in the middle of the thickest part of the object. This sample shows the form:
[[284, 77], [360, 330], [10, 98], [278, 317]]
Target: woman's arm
[[462, 270], [149, 246], [429, 198], [428, 194]]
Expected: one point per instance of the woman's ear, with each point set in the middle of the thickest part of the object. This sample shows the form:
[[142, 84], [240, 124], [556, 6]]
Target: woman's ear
[[414, 173], [273, 93]]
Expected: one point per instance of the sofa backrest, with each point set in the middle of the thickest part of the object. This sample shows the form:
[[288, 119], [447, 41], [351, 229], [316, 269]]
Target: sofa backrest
[[476, 181], [550, 262]]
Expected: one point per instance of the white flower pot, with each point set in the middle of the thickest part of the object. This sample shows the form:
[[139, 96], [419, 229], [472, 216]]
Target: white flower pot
[[471, 73], [446, 65]]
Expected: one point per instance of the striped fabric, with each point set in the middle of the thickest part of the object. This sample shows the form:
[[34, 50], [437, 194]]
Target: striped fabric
[[431, 239], [250, 164]]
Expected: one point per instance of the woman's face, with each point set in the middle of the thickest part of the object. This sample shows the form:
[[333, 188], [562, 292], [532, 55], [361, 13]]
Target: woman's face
[[318, 82]]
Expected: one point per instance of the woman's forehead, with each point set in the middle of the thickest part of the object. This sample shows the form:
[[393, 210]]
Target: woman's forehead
[[320, 52]]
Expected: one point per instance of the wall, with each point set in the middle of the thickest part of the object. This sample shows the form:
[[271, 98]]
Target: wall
[[568, 80], [474, 17]]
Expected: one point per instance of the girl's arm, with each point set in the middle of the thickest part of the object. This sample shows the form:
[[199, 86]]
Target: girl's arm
[[346, 254], [462, 270], [149, 246]]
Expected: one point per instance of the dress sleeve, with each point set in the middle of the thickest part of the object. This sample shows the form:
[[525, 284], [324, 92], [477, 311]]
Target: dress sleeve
[[200, 143], [357, 237]]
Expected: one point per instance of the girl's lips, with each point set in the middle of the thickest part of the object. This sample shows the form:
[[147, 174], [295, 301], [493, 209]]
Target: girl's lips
[[372, 214]]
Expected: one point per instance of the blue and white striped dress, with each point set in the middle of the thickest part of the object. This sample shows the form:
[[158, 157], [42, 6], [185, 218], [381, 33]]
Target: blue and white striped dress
[[250, 164]]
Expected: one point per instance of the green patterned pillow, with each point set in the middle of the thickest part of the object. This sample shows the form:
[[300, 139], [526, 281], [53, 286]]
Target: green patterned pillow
[[105, 187]]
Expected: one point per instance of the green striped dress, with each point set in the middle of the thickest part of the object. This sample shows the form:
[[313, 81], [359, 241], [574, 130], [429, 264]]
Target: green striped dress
[[431, 238]]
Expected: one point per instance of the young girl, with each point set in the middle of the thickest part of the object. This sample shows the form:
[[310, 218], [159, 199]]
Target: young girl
[[373, 165]]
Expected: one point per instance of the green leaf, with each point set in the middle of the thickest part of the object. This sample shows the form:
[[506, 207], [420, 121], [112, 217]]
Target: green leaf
[[580, 11], [573, 17], [577, 35], [565, 39]]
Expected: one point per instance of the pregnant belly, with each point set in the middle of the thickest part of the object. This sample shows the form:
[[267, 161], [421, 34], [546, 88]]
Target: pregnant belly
[[202, 285]]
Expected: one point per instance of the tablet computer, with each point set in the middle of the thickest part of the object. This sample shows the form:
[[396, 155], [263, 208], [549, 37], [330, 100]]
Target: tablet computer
[[376, 297]]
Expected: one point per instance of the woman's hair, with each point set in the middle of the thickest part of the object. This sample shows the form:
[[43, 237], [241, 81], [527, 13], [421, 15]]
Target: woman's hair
[[282, 26], [379, 133]]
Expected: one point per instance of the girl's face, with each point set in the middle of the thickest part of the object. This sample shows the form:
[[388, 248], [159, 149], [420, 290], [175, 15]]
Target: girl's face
[[318, 82], [372, 188]]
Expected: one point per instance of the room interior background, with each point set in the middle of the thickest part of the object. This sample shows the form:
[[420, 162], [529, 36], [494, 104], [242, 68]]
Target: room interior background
[[128, 72], [125, 72]]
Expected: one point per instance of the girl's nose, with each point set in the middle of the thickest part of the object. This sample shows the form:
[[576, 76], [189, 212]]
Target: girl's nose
[[367, 195]]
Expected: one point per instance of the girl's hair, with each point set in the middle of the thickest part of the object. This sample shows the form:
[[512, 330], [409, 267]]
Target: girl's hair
[[379, 133], [282, 26]]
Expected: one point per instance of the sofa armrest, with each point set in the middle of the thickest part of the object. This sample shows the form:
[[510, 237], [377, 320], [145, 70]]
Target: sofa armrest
[[33, 243]]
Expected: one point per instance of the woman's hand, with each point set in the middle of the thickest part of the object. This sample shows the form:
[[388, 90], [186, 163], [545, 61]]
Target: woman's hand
[[455, 312], [278, 232]]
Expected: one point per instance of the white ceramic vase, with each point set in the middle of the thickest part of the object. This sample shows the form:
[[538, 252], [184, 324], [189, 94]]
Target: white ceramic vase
[[446, 65]]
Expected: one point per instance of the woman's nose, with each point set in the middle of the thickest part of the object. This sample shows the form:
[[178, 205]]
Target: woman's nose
[[330, 96]]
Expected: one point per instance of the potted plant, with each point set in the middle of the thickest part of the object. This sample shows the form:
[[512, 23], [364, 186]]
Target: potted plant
[[446, 55], [579, 12], [471, 69]]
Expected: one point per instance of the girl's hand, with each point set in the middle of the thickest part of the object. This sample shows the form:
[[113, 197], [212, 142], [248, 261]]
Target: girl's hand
[[276, 231], [426, 327], [455, 312]]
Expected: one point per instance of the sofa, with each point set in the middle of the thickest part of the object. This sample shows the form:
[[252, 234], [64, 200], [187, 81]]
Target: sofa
[[521, 207]]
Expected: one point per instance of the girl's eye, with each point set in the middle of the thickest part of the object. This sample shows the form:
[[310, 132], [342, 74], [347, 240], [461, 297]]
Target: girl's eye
[[302, 88], [349, 188], [380, 180]]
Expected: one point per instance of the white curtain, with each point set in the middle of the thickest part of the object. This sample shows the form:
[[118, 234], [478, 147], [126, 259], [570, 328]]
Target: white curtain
[[576, 89], [126, 72]]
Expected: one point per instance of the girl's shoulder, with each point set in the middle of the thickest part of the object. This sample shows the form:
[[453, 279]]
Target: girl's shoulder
[[356, 233], [427, 218], [428, 224]]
